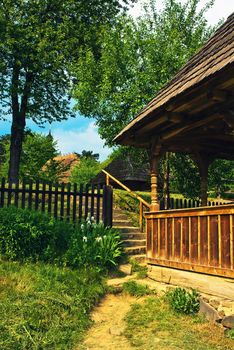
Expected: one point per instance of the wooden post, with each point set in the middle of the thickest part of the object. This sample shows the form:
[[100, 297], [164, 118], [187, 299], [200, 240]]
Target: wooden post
[[107, 180], [141, 217], [154, 170]]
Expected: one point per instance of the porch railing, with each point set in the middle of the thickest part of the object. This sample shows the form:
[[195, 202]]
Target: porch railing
[[142, 202], [198, 239]]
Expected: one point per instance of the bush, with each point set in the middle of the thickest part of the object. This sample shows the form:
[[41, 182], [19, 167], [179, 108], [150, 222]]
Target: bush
[[184, 301], [33, 235], [29, 234], [94, 244]]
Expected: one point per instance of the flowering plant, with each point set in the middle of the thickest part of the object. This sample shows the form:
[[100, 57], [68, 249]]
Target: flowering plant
[[94, 244]]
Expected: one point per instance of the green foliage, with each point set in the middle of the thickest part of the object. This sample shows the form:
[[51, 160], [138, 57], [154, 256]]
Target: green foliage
[[37, 150], [141, 270], [93, 244], [29, 235], [137, 58], [135, 289], [44, 306], [26, 234], [183, 301], [85, 170]]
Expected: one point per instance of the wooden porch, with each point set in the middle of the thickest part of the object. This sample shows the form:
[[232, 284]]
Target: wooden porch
[[193, 114]]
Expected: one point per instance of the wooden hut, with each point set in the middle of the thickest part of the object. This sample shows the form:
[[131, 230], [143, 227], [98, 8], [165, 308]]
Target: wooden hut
[[194, 114], [132, 175]]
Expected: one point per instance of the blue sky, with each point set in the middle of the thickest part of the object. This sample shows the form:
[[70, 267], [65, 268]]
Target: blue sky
[[77, 134]]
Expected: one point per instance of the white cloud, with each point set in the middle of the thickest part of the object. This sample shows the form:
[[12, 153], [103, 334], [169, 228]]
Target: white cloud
[[77, 140]]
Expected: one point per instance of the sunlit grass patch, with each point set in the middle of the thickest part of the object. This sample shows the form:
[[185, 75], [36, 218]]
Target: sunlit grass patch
[[153, 325], [45, 307]]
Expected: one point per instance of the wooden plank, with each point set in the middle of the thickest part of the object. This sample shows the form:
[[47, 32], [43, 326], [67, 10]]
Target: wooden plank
[[199, 239], [68, 201], [98, 204], [30, 192], [214, 243], [3, 182], [9, 194], [190, 239], [23, 194], [166, 237], [181, 239], [43, 196], [173, 237], [80, 203], [208, 238], [16, 190], [225, 241], [231, 242], [56, 200], [74, 199], [62, 194], [92, 201], [219, 242], [86, 213], [154, 240], [36, 204], [50, 198], [203, 241], [159, 236]]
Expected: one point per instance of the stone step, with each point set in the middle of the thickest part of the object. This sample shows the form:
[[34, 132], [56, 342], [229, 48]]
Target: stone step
[[134, 243], [135, 250], [133, 235], [128, 229], [123, 223], [140, 258], [121, 216]]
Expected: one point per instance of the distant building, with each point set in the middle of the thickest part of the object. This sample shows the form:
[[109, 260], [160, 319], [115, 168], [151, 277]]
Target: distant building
[[134, 176]]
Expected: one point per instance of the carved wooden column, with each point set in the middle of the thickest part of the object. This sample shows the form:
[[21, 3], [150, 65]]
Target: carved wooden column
[[154, 172]]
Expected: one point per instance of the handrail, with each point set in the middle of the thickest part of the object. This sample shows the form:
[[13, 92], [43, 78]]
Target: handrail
[[127, 189], [133, 194]]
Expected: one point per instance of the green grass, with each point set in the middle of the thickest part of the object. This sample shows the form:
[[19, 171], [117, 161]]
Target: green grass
[[153, 325], [45, 307], [137, 290]]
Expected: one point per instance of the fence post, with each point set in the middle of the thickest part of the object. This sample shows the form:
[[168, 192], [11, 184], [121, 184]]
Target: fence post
[[107, 210]]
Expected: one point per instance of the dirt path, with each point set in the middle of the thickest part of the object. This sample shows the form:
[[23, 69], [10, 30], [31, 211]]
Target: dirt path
[[108, 328]]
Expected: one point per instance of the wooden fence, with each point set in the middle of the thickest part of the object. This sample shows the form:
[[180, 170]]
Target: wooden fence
[[176, 203], [63, 201], [199, 239]]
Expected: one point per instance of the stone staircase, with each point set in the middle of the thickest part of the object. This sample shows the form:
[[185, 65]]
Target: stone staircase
[[134, 241]]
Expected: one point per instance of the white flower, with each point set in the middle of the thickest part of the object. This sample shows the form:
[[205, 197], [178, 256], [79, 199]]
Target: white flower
[[82, 227], [92, 218], [85, 239], [98, 239]]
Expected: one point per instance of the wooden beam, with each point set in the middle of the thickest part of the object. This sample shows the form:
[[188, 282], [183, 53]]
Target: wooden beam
[[218, 95]]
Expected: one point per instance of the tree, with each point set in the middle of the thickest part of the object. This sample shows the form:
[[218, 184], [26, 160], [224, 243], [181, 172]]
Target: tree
[[38, 42], [37, 150], [88, 154], [87, 169], [138, 57]]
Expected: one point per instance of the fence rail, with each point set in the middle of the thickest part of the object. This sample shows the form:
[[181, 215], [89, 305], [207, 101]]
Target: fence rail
[[63, 201]]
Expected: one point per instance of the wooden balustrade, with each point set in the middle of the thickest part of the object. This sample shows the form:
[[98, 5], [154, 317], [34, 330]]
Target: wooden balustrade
[[198, 239]]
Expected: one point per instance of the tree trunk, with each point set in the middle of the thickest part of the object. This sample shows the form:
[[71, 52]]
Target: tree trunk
[[18, 121], [17, 135]]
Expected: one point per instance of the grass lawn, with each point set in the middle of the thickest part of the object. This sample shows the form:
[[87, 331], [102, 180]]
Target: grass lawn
[[45, 307], [152, 325]]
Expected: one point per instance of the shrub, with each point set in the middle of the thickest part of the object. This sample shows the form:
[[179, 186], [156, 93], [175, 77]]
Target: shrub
[[94, 244], [183, 301], [33, 235], [29, 234], [136, 289]]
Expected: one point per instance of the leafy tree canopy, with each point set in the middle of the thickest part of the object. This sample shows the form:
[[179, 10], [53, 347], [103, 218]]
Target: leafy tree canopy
[[137, 58], [39, 39]]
